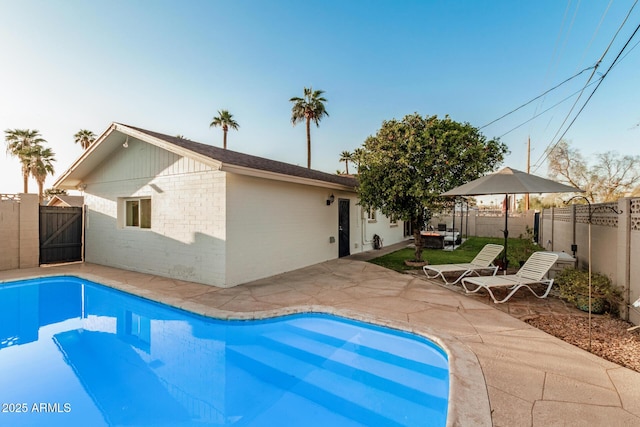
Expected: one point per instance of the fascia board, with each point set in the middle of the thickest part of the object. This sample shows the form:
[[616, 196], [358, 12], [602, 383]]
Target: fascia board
[[242, 170], [59, 183]]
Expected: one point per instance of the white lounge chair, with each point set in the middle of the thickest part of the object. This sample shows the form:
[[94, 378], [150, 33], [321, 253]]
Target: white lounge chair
[[482, 261], [532, 272]]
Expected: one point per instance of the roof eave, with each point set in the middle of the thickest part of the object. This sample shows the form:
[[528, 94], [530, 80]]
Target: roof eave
[[242, 170], [70, 180]]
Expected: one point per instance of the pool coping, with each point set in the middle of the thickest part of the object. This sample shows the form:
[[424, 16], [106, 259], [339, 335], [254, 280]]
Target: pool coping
[[468, 402]]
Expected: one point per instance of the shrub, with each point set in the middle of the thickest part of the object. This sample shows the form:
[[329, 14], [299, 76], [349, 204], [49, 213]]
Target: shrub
[[520, 250], [574, 287]]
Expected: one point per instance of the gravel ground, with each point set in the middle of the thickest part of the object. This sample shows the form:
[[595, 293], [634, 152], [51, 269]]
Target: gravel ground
[[609, 336]]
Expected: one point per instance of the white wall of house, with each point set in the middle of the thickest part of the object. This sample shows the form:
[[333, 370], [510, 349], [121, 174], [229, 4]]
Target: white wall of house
[[275, 226], [390, 231], [215, 227], [187, 235]]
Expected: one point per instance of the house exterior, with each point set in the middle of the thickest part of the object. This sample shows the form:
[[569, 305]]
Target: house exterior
[[176, 208]]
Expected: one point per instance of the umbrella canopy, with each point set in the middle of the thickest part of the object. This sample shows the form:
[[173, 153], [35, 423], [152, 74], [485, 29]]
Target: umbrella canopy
[[509, 181]]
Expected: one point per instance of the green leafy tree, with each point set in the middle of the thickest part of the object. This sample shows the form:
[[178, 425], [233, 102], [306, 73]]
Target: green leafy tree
[[85, 138], [346, 157], [225, 120], [540, 203], [40, 165], [19, 144], [408, 163], [309, 108]]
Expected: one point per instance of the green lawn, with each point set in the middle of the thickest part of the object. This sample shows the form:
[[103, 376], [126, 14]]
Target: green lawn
[[462, 254]]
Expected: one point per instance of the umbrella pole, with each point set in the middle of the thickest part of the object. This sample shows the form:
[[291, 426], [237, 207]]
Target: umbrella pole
[[505, 262], [453, 226]]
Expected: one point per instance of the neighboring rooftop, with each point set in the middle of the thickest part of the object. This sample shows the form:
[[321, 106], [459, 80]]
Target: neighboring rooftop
[[67, 201]]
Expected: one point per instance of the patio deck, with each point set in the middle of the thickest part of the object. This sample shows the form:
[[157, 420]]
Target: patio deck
[[503, 371]]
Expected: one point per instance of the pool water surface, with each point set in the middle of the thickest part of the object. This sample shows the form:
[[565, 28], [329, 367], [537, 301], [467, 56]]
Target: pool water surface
[[73, 352]]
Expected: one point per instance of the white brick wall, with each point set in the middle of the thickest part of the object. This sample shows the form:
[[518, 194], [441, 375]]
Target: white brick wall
[[187, 236], [213, 227]]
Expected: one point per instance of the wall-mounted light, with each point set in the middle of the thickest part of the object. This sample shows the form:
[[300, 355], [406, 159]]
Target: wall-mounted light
[[330, 199], [81, 187], [126, 142]]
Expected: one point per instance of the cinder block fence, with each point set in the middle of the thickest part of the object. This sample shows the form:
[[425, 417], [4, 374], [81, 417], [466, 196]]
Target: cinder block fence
[[19, 231]]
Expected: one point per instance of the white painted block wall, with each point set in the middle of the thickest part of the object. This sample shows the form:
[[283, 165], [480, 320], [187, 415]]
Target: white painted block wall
[[214, 227], [274, 227], [382, 226], [187, 236]]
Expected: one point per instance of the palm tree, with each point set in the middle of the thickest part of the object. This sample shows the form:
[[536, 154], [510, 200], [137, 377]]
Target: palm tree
[[41, 165], [356, 157], [309, 108], [85, 138], [19, 144], [225, 120], [346, 157]]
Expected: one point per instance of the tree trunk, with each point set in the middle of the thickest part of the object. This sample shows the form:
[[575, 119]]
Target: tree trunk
[[416, 225], [224, 139], [25, 181], [308, 143], [40, 191]]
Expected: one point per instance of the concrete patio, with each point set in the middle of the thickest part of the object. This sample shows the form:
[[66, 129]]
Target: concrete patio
[[503, 371]]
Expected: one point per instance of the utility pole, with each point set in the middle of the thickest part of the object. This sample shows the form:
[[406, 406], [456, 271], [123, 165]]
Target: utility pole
[[526, 196]]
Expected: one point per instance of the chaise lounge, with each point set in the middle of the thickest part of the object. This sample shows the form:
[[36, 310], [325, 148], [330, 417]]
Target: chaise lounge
[[482, 261], [532, 272]]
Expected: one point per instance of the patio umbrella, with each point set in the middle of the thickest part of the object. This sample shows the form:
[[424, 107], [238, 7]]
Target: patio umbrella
[[509, 181]]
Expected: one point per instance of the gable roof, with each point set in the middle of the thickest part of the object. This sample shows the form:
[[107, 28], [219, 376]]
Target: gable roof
[[219, 158], [62, 200]]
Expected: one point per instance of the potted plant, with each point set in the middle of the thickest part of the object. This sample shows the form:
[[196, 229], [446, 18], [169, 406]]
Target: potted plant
[[574, 287]]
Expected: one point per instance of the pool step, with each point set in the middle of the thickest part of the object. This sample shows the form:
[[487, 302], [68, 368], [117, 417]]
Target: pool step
[[409, 382], [423, 359], [337, 392], [406, 347]]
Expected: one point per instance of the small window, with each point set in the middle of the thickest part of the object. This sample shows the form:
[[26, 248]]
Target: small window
[[393, 221], [138, 213], [371, 215]]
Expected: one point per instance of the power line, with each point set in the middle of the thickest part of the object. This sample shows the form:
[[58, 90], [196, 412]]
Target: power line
[[593, 73], [541, 113], [536, 98], [558, 49], [552, 147], [604, 14]]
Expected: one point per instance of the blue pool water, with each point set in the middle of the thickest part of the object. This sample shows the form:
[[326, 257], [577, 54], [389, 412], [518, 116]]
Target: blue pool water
[[73, 352]]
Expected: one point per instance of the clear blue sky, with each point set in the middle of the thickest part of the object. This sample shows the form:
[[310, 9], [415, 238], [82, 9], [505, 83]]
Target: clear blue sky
[[168, 66]]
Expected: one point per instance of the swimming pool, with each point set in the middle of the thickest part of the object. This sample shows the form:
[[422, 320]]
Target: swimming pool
[[73, 352]]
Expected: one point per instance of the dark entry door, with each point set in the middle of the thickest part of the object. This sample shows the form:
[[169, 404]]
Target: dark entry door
[[343, 228], [60, 234]]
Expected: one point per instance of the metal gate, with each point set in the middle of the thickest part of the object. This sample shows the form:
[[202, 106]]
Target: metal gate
[[60, 234]]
